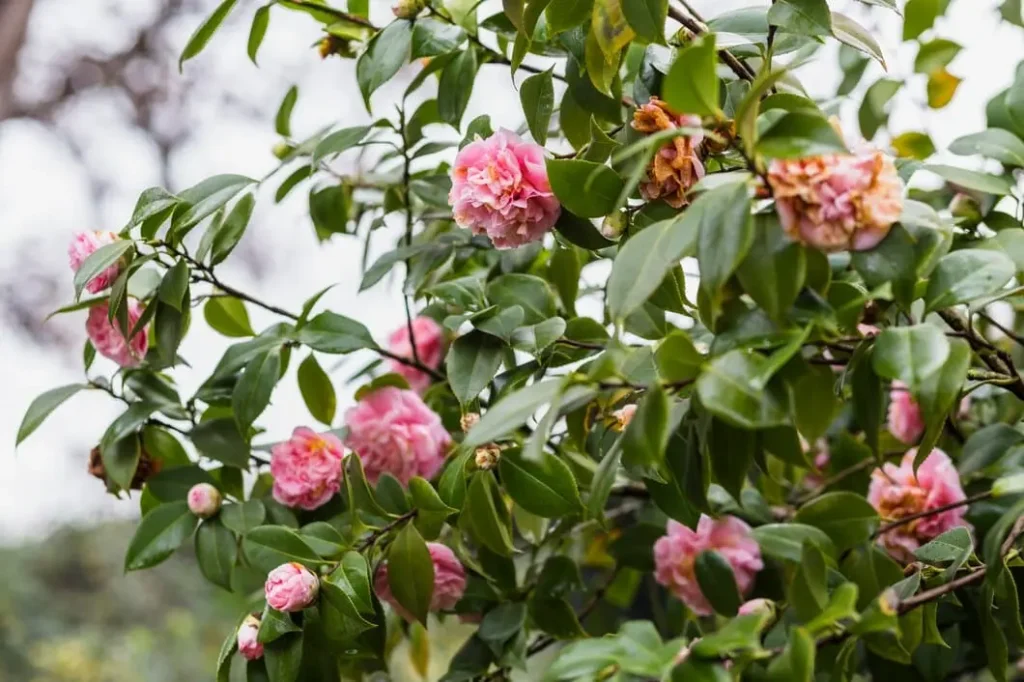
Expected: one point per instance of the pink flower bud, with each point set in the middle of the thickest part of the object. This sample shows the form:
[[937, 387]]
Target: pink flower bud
[[449, 582], [624, 416], [904, 419], [248, 638], [108, 339], [753, 606], [306, 468], [291, 587], [83, 245], [500, 188], [429, 349], [204, 500]]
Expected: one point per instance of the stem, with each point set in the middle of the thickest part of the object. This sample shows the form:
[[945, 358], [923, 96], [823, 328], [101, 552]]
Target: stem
[[697, 27], [344, 16], [997, 360], [406, 163], [375, 535], [930, 512]]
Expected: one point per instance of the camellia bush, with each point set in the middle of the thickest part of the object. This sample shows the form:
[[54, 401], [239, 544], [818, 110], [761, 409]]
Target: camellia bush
[[694, 385]]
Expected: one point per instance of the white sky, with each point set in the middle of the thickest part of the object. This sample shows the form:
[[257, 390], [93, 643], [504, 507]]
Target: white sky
[[44, 197]]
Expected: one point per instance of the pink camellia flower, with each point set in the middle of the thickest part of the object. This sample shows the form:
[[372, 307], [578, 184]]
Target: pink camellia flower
[[677, 166], [248, 638], [108, 340], [393, 431], [429, 348], [897, 493], [623, 416], [905, 420], [676, 553], [306, 468], [500, 188], [83, 245], [837, 202], [291, 587], [204, 500], [449, 582]]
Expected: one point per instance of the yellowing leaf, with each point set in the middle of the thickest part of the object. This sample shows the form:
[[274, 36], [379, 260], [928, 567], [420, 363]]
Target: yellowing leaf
[[610, 28], [942, 86], [913, 145]]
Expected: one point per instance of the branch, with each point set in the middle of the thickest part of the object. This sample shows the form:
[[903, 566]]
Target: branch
[[697, 27], [997, 360], [930, 512], [375, 535]]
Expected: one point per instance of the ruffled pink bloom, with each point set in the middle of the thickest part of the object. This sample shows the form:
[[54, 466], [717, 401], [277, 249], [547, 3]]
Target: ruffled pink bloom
[[306, 468], [837, 202], [204, 500], [500, 188], [393, 431], [449, 582], [429, 348], [676, 553], [905, 419], [248, 638], [83, 245], [897, 493], [291, 587], [108, 340]]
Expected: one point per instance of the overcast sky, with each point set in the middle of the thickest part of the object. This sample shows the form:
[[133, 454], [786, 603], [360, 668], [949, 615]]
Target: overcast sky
[[45, 196]]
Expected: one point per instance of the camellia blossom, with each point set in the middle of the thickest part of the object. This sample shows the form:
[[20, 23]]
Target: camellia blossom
[[204, 500], [429, 349], [248, 638], [676, 553], [108, 340], [676, 167], [393, 431], [449, 582], [837, 202], [754, 606], [897, 493], [905, 420], [500, 188], [83, 245], [291, 587], [306, 468]]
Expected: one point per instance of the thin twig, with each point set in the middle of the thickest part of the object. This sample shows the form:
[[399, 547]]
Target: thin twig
[[930, 512], [375, 535], [697, 27]]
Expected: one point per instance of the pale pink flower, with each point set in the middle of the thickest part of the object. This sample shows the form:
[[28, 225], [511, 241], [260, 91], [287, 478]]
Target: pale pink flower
[[905, 419], [500, 188], [248, 638], [676, 553], [429, 348], [676, 167], [897, 493], [837, 202], [83, 245], [623, 416], [393, 431], [753, 606], [108, 340], [449, 582], [291, 587], [204, 500], [306, 468], [868, 330]]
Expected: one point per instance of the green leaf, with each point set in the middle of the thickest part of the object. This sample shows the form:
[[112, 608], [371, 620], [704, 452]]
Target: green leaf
[[317, 390], [257, 31], [274, 625], [585, 188], [530, 292], [731, 388], [244, 516], [231, 230], [986, 446], [534, 338], [691, 84], [511, 412], [472, 362], [847, 518], [386, 54], [99, 260], [786, 540], [227, 315], [849, 32], [431, 38], [204, 199], [937, 396], [968, 179], [284, 657], [774, 270], [267, 547], [796, 663], [995, 143], [485, 522], [814, 402], [726, 234], [804, 17], [647, 18], [353, 578], [254, 388], [678, 359], [740, 634], [456, 86], [219, 439], [337, 142], [910, 354], [42, 406], [935, 55], [545, 487], [283, 118], [565, 14], [645, 439], [160, 532], [842, 605], [919, 16], [717, 582], [966, 275], [798, 134], [411, 572], [732, 452], [537, 95], [216, 549], [954, 547], [643, 261], [808, 592], [332, 333], [205, 31], [873, 114], [121, 459]]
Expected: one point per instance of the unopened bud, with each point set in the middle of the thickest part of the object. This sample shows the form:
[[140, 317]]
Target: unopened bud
[[889, 602], [613, 225], [282, 150], [408, 9], [758, 606], [623, 416], [487, 456], [248, 638], [204, 500], [965, 208], [468, 421]]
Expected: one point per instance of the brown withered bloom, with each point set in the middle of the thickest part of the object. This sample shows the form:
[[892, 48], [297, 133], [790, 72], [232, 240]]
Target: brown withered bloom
[[676, 167], [148, 467]]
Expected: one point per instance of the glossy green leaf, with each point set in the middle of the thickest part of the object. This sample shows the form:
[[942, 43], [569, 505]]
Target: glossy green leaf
[[585, 188], [910, 354], [691, 84], [717, 582], [332, 333], [41, 408], [411, 572], [847, 518], [254, 388], [545, 486], [317, 390], [537, 95], [472, 362], [204, 32], [731, 388], [387, 52], [158, 535], [966, 275]]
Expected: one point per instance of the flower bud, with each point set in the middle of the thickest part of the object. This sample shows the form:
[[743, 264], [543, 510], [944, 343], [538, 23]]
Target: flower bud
[[248, 638], [468, 421], [204, 500], [488, 456], [765, 606], [282, 150], [966, 209], [613, 225], [291, 587], [623, 416], [408, 9]]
